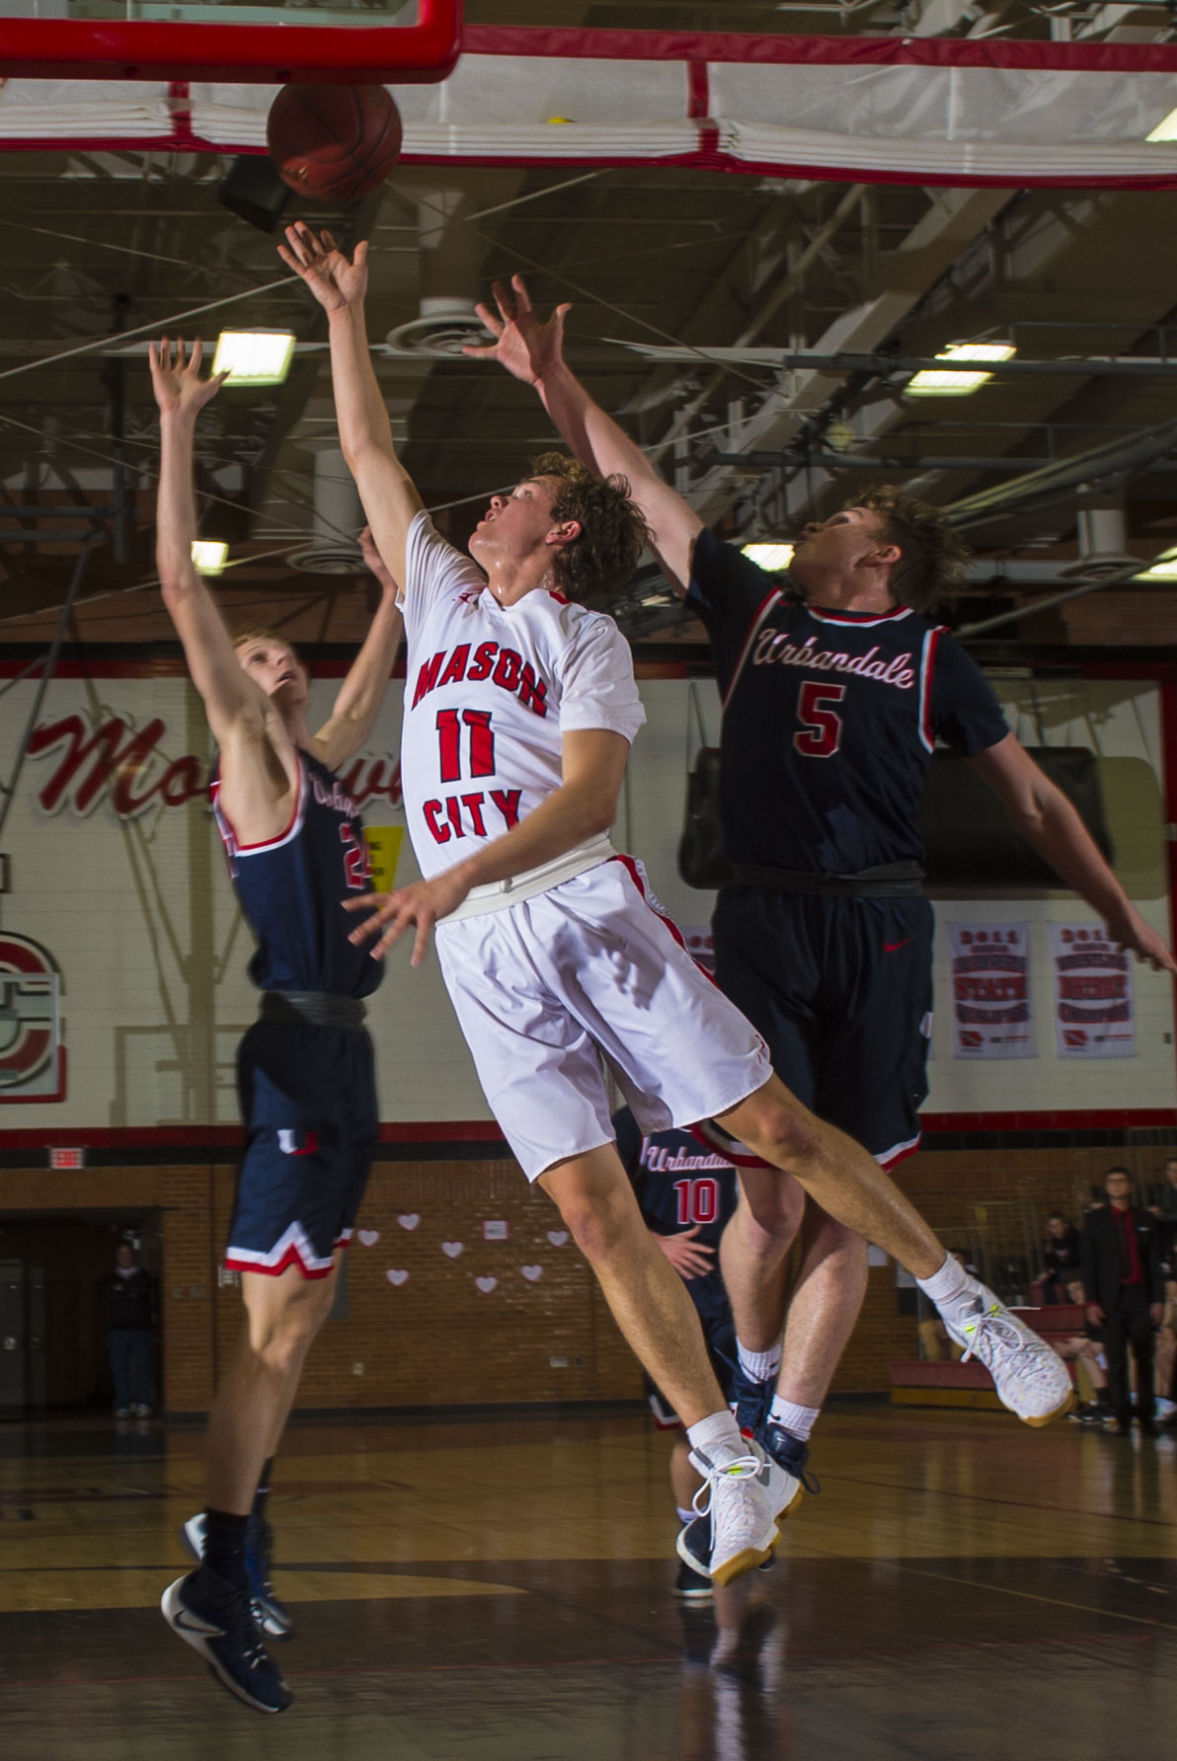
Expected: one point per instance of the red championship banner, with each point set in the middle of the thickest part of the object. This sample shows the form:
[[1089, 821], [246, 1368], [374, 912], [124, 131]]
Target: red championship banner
[[1093, 1012], [991, 990]]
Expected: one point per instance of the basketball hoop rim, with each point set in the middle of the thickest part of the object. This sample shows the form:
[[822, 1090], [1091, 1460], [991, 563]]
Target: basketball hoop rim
[[56, 48]]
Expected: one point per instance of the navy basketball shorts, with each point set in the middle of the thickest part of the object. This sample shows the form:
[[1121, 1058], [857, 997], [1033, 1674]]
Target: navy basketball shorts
[[841, 989], [308, 1099], [719, 1336]]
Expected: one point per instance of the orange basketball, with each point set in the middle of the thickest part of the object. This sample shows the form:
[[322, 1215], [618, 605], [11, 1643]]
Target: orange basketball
[[337, 142]]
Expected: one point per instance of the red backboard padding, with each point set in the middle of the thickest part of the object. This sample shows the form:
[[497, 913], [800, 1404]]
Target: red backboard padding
[[261, 54]]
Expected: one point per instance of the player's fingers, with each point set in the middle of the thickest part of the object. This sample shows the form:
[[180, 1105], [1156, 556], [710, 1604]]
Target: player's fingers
[[197, 355], [367, 902], [421, 943], [488, 318], [503, 300], [522, 297]]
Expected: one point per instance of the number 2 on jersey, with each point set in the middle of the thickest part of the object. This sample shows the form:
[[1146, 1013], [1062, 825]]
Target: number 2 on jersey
[[357, 860], [822, 732], [481, 744]]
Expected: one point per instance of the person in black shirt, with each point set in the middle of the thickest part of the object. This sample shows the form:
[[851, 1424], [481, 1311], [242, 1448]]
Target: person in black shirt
[[1121, 1251], [130, 1335], [1060, 1256], [835, 689]]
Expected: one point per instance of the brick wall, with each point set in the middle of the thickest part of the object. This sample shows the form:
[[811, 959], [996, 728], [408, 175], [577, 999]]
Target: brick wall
[[435, 1339]]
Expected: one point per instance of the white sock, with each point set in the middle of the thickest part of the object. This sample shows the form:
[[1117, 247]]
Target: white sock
[[946, 1286], [718, 1437], [760, 1366], [798, 1421], [684, 1516]]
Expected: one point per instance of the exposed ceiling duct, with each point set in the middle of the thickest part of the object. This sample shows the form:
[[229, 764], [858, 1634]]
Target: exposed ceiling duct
[[449, 268], [338, 516]]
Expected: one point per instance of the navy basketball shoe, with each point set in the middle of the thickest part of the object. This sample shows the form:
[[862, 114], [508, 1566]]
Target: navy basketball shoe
[[271, 1618], [751, 1399], [215, 1619], [790, 1453]]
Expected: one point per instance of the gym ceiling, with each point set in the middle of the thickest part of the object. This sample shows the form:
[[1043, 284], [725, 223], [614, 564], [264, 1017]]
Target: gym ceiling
[[103, 241]]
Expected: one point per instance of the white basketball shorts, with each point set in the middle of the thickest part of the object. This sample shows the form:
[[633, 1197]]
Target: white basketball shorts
[[592, 969]]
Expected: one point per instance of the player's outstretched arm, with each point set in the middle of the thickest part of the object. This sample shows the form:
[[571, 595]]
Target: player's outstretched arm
[[585, 804], [533, 350], [181, 394], [358, 701], [339, 284], [1047, 820]]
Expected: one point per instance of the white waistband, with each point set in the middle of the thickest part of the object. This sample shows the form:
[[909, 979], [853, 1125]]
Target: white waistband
[[498, 895]]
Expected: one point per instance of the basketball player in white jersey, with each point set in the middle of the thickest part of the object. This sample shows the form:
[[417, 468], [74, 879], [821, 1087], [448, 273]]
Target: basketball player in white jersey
[[520, 707]]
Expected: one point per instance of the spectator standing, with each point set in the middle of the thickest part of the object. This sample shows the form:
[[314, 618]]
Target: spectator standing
[[130, 1335], [1166, 1211], [1121, 1255]]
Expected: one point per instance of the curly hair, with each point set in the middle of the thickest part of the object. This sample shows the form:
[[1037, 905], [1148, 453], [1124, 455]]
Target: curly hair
[[613, 530], [932, 557]]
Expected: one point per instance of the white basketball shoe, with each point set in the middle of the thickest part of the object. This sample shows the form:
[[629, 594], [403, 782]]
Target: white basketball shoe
[[741, 1503], [1030, 1377]]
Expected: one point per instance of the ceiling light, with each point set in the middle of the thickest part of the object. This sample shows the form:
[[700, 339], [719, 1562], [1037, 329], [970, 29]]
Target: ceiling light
[[773, 557], [1163, 569], [254, 357], [1166, 129], [209, 555], [951, 382]]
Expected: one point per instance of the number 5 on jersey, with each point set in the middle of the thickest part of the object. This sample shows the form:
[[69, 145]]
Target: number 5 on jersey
[[821, 734]]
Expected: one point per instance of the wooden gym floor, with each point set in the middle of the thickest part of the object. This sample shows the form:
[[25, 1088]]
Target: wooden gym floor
[[500, 1590]]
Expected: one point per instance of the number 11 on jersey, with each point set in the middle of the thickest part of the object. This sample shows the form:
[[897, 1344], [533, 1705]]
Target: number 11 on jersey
[[480, 752]]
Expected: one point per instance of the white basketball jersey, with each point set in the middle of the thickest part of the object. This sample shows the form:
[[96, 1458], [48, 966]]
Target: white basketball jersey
[[490, 691]]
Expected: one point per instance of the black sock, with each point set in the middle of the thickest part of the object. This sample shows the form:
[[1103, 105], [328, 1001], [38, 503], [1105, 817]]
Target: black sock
[[224, 1545], [263, 1490]]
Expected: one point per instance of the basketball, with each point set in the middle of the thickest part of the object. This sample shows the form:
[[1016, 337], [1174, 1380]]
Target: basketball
[[338, 142]]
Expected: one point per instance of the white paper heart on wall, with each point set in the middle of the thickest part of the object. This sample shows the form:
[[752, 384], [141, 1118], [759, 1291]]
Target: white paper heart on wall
[[409, 1220], [486, 1285], [452, 1249], [395, 1275], [557, 1237], [368, 1237], [531, 1273]]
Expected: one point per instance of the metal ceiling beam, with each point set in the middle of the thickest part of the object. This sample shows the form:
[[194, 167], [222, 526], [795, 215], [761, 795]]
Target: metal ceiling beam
[[953, 221], [881, 365]]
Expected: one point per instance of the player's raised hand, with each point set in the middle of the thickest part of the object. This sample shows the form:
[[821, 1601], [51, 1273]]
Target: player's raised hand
[[525, 345], [175, 376], [336, 281]]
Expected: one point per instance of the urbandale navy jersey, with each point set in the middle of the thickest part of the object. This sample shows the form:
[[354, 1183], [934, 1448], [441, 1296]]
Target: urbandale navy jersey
[[680, 1183], [830, 725], [291, 890]]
